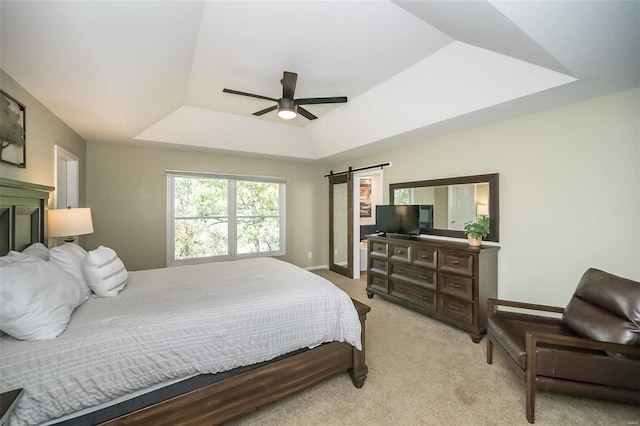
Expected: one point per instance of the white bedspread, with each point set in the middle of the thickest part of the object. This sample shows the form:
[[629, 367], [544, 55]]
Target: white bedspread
[[171, 323]]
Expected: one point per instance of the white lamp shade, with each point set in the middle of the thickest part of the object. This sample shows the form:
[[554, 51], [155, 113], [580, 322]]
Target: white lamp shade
[[70, 222], [483, 210]]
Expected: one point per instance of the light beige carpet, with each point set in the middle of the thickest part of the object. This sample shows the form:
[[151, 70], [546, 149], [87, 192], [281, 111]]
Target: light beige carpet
[[423, 372]]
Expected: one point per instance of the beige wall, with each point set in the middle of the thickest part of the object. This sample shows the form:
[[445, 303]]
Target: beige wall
[[126, 188], [441, 209], [44, 130], [569, 190]]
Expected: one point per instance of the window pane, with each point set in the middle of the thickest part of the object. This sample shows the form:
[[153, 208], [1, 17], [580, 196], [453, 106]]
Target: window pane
[[258, 234], [402, 196], [257, 199], [200, 197], [201, 238]]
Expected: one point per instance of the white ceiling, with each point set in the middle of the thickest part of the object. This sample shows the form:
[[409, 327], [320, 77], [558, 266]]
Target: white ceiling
[[153, 71]]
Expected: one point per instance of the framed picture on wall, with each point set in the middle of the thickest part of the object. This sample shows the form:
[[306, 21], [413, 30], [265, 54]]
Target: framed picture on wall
[[365, 197], [12, 131]]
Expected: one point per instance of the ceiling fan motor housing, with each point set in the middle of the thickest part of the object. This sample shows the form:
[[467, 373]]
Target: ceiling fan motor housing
[[286, 105]]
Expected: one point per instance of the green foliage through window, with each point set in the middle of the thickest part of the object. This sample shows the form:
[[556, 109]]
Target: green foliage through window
[[208, 212]]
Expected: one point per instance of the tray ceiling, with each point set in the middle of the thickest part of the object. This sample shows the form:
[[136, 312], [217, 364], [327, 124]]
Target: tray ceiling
[[147, 71]]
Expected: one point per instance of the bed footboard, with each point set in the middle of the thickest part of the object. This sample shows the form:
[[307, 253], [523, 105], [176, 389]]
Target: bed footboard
[[359, 370], [220, 402]]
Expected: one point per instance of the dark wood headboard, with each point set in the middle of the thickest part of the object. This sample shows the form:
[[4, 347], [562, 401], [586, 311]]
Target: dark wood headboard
[[23, 214]]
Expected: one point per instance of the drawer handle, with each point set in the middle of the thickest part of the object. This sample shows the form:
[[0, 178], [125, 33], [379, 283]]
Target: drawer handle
[[424, 256], [400, 290], [399, 252], [454, 307], [422, 277], [455, 262], [454, 285], [424, 298]]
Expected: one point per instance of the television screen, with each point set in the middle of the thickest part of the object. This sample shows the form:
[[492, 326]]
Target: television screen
[[426, 217], [398, 219]]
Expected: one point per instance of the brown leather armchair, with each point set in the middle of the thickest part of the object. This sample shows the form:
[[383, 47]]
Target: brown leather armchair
[[593, 350]]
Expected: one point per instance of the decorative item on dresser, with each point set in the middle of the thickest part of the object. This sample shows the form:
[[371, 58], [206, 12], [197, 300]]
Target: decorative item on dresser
[[476, 231], [449, 281]]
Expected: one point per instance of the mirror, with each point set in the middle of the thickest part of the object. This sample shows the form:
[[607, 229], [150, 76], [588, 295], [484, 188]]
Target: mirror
[[455, 202], [341, 224]]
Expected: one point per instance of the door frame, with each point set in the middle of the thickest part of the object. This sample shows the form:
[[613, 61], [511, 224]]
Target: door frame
[[356, 213]]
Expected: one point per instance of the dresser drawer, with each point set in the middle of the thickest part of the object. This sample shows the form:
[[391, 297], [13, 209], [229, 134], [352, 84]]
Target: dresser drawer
[[421, 276], [455, 285], [377, 282], [456, 309], [378, 248], [401, 252], [414, 294], [425, 256], [378, 265], [455, 261]]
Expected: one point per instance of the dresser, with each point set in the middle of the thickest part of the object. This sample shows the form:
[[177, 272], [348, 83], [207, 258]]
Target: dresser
[[449, 281]]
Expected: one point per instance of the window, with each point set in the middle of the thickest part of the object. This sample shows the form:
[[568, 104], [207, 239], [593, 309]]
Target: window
[[403, 196], [220, 217]]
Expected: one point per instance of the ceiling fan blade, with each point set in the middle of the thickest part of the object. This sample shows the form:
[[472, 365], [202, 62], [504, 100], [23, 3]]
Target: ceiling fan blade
[[266, 110], [289, 80], [251, 95], [312, 101], [303, 112]]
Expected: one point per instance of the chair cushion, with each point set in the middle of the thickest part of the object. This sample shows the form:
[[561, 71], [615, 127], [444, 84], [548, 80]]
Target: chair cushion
[[605, 307], [509, 329], [589, 367]]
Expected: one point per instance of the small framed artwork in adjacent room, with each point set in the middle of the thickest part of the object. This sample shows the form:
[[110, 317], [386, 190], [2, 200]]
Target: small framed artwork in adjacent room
[[365, 197], [12, 131]]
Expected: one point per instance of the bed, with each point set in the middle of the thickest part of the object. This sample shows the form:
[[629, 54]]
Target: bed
[[200, 392]]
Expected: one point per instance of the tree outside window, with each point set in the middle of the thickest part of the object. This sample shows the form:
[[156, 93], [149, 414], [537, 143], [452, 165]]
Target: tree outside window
[[225, 218]]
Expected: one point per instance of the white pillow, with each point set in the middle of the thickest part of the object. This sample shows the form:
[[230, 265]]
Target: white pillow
[[10, 258], [37, 298], [104, 272], [70, 257], [38, 250]]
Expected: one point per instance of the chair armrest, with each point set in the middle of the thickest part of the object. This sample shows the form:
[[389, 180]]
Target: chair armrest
[[535, 339], [492, 305]]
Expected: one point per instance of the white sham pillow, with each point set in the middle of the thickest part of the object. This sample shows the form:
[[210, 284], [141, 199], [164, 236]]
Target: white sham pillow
[[104, 272], [70, 257], [10, 258], [37, 298], [38, 250]]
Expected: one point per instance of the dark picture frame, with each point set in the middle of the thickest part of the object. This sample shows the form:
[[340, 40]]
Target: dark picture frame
[[13, 131]]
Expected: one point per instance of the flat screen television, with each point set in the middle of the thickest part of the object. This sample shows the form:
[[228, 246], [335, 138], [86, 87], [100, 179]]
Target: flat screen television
[[398, 219]]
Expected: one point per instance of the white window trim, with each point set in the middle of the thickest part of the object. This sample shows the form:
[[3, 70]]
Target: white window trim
[[232, 231]]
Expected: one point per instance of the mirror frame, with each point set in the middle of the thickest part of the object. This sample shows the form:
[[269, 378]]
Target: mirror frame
[[494, 206]]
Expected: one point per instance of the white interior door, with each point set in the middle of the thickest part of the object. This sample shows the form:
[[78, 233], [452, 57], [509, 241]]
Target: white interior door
[[462, 205], [67, 171]]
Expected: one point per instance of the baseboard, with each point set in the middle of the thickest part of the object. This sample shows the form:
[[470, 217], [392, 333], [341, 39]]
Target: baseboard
[[311, 268]]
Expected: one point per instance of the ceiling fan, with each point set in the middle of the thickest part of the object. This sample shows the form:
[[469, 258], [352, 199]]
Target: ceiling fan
[[287, 106]]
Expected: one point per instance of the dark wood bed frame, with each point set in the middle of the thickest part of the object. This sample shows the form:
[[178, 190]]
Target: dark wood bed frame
[[23, 209]]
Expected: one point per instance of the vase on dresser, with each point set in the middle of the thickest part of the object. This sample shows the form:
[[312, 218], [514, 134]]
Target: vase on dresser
[[474, 242]]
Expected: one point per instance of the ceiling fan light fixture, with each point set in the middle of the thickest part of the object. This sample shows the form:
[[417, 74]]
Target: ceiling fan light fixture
[[286, 109]]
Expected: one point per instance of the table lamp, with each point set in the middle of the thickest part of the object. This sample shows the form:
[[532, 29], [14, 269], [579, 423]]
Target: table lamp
[[69, 223]]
